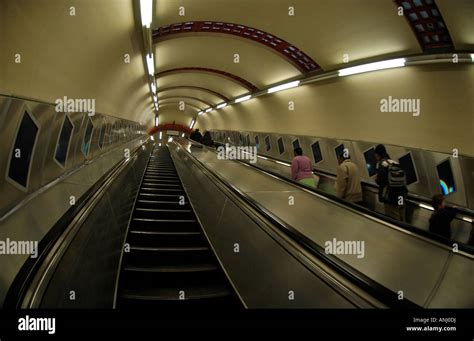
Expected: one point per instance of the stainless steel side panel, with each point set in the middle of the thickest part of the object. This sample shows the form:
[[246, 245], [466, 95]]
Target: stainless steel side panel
[[262, 272], [34, 217], [458, 280], [393, 258]]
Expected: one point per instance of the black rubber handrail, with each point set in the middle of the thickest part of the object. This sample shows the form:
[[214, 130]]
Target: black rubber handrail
[[375, 289], [364, 210]]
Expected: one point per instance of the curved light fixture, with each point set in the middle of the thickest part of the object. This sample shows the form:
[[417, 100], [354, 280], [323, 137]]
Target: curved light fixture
[[222, 105], [150, 64], [283, 87], [243, 98], [208, 110], [146, 12], [386, 64]]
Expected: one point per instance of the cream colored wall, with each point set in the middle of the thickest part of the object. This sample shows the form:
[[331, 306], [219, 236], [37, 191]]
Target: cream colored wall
[[170, 112], [349, 107], [79, 56]]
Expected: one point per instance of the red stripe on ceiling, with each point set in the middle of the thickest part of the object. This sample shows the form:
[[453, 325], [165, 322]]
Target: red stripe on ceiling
[[215, 93], [298, 58], [246, 84], [190, 97], [427, 24]]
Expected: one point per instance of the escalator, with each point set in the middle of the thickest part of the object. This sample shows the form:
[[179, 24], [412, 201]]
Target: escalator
[[169, 261]]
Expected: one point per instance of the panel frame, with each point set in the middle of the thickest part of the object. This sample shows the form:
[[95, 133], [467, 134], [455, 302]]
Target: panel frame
[[25, 111], [66, 117], [414, 167]]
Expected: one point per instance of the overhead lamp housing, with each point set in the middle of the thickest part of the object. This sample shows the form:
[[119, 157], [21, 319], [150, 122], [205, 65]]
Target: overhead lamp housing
[[283, 87], [386, 64], [150, 64], [146, 12], [243, 98]]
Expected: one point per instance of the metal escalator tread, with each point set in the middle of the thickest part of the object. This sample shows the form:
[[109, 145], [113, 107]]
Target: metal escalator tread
[[168, 253], [173, 268], [173, 294], [170, 249]]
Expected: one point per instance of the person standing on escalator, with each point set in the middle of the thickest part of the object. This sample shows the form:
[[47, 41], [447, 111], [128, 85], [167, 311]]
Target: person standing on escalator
[[207, 139], [440, 221], [392, 184], [348, 185], [196, 136], [302, 169]]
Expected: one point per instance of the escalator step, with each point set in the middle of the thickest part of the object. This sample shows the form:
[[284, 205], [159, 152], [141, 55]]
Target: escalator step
[[173, 294], [166, 220], [170, 249], [173, 268], [160, 210], [168, 253]]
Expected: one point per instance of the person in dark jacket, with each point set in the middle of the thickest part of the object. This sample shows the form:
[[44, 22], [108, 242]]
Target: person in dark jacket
[[392, 205], [196, 136], [440, 221], [207, 139]]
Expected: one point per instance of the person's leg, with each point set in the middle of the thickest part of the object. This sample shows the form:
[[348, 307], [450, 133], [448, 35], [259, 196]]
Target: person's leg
[[403, 213], [392, 211]]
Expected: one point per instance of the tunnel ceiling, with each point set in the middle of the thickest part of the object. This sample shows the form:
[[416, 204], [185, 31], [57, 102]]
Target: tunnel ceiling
[[196, 42]]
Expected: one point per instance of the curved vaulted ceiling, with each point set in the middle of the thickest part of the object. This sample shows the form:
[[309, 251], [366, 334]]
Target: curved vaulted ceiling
[[219, 52], [202, 95], [242, 82], [238, 47], [179, 103], [218, 85], [291, 53], [187, 99]]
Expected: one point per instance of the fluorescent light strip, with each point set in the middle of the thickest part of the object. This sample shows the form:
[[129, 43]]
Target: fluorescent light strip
[[200, 113], [262, 157], [153, 88], [469, 220], [192, 124], [472, 57], [208, 110], [283, 87], [150, 64], [161, 134], [156, 121], [242, 99], [146, 11], [386, 64], [222, 105]]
